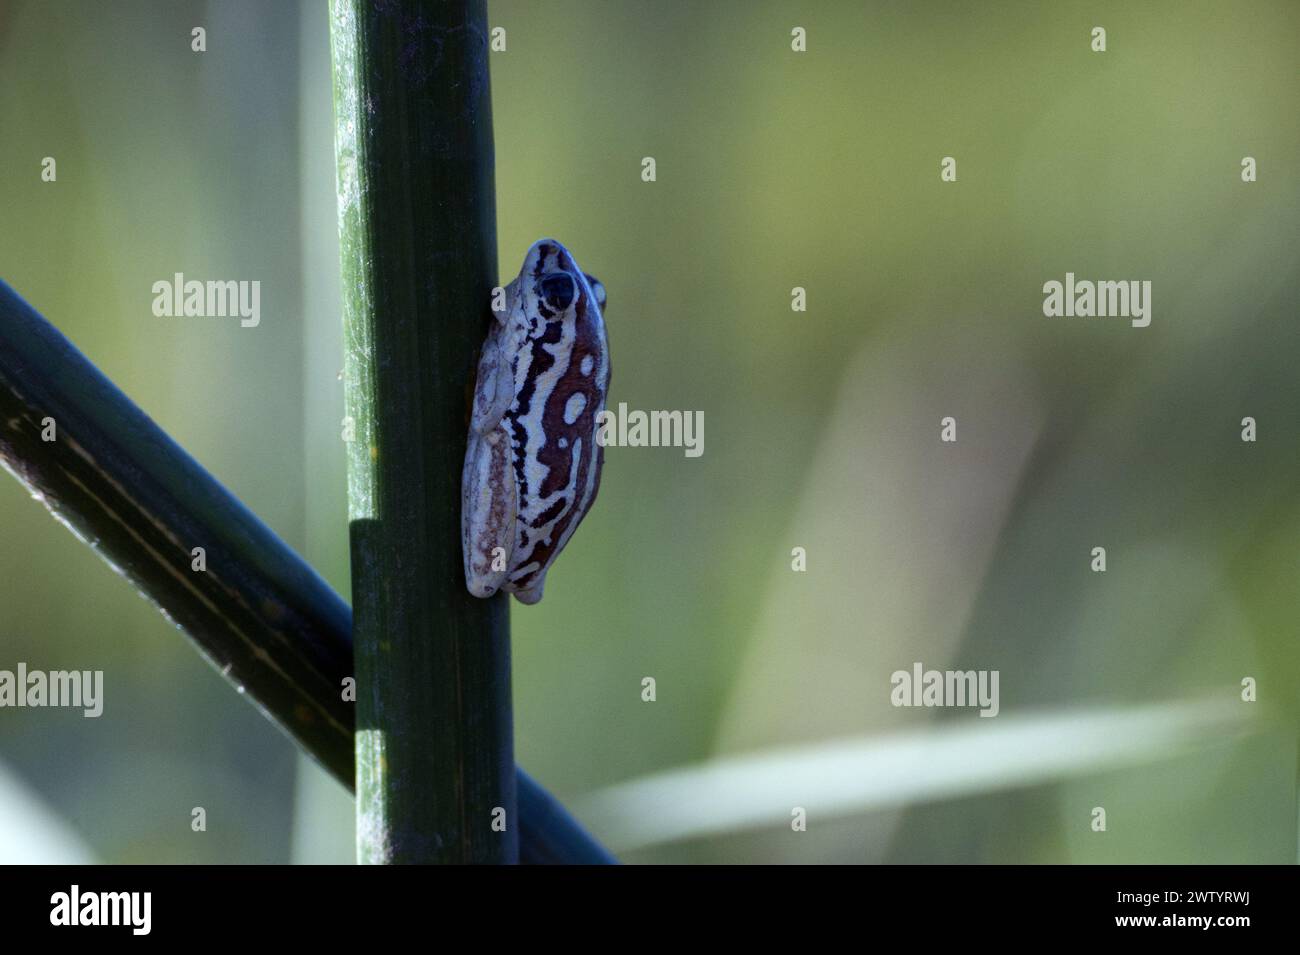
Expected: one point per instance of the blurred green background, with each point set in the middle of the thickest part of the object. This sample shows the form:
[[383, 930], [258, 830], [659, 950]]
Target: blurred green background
[[775, 169]]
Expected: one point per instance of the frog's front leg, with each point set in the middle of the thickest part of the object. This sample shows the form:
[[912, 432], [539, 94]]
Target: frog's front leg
[[490, 501]]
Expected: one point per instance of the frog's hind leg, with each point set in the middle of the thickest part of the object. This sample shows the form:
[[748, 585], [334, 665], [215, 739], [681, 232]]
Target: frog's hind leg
[[489, 503]]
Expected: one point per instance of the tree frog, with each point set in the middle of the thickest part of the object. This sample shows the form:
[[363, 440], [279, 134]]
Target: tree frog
[[533, 464]]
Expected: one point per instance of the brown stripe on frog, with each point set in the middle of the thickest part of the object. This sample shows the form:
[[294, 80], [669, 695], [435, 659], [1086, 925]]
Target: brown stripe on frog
[[544, 252], [541, 361], [551, 513], [578, 436], [558, 460]]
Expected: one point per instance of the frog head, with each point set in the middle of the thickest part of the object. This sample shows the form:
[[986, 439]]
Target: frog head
[[550, 284]]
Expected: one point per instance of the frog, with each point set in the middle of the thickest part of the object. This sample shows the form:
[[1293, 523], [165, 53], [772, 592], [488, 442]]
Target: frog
[[533, 462]]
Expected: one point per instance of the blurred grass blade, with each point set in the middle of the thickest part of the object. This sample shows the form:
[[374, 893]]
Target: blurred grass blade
[[32, 832], [946, 761]]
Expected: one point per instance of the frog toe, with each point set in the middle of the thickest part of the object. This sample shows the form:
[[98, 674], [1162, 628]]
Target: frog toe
[[533, 593]]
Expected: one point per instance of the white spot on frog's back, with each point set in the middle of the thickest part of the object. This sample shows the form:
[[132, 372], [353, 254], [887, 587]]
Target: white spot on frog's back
[[573, 407], [588, 363]]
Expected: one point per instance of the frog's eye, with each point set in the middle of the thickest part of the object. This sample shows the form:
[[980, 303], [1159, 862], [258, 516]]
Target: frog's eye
[[597, 289], [559, 290]]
